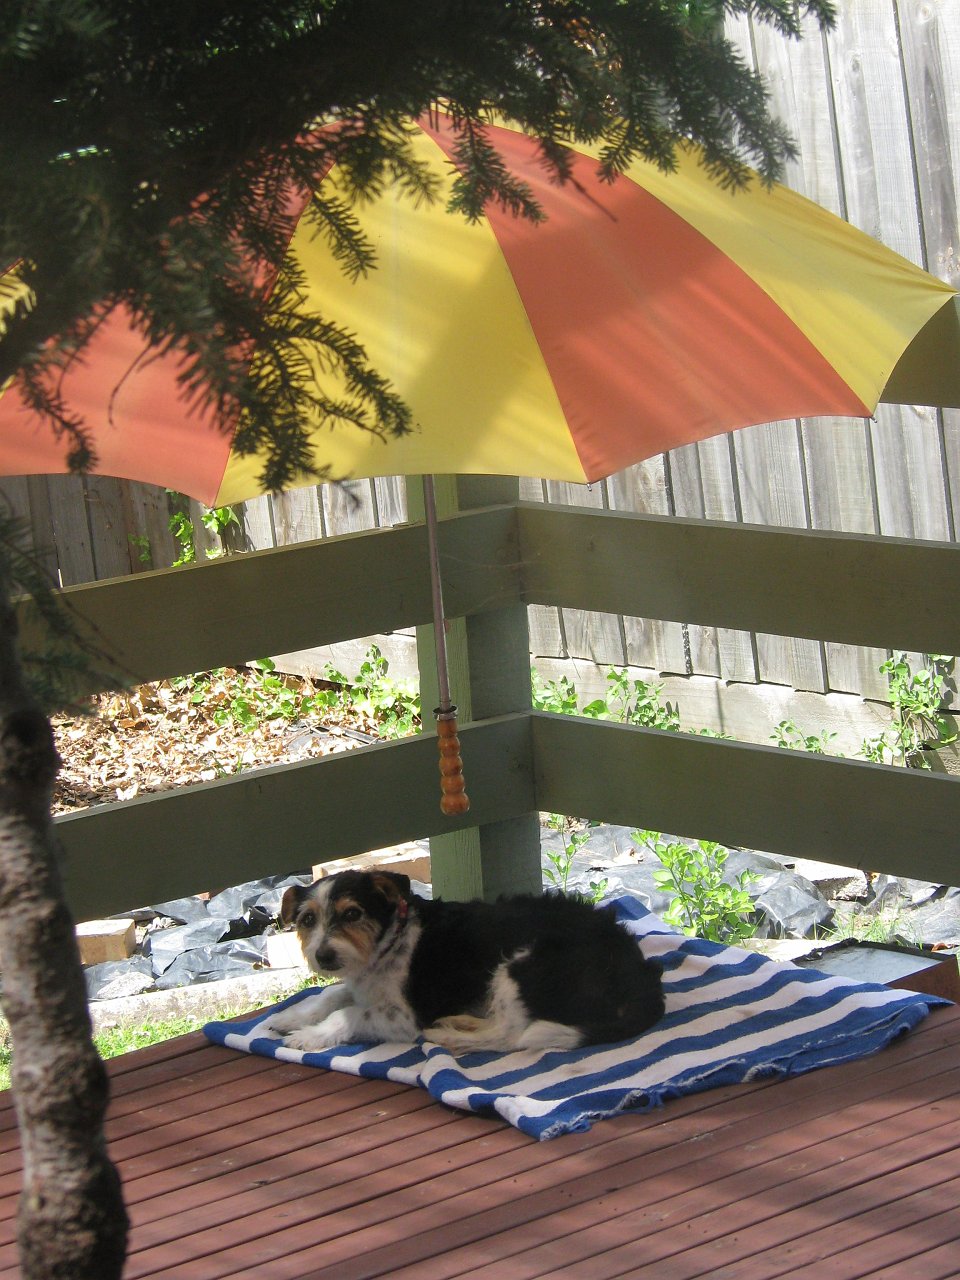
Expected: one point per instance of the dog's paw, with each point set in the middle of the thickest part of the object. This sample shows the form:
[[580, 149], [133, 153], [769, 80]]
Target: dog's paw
[[280, 1024], [339, 1028], [308, 1012], [309, 1040]]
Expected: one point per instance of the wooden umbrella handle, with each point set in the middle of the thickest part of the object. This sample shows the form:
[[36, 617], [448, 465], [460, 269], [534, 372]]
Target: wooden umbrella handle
[[453, 799]]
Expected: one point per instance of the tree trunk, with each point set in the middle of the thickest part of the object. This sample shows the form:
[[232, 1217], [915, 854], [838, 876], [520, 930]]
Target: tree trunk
[[72, 1221]]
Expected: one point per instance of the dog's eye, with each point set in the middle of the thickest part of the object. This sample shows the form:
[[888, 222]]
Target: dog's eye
[[351, 915], [307, 920]]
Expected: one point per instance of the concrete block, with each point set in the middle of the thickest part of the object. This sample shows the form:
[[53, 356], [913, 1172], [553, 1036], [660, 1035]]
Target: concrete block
[[102, 940], [846, 883]]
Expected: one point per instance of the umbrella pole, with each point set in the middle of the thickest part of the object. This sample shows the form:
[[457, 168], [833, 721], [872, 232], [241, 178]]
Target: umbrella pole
[[453, 798]]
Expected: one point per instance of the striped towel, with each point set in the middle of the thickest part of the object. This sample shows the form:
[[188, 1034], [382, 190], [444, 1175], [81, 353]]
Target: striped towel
[[731, 1016]]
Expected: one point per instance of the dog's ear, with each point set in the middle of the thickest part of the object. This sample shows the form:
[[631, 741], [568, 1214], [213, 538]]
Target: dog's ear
[[290, 901], [392, 884]]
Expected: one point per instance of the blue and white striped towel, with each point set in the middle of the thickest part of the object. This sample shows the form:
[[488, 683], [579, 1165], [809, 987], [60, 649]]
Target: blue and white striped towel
[[731, 1016]]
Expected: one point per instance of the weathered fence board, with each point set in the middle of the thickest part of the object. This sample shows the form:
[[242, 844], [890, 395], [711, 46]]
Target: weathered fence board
[[930, 51], [645, 488]]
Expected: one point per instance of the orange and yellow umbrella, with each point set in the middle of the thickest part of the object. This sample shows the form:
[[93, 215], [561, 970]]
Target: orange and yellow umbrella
[[642, 314]]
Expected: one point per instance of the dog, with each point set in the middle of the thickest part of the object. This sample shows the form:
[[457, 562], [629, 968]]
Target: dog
[[546, 972]]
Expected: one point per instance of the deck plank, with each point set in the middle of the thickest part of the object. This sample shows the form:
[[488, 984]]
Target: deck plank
[[907, 1207], [937, 1263], [239, 1166], [698, 1188]]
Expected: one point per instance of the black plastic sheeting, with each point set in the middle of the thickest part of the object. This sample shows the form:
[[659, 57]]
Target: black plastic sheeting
[[189, 940], [212, 962]]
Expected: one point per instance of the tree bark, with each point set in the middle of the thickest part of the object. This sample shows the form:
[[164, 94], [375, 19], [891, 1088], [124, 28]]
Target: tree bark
[[72, 1221]]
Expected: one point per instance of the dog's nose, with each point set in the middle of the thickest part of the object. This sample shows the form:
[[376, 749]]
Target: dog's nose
[[327, 959]]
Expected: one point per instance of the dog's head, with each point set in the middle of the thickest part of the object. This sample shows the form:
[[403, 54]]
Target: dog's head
[[341, 919]]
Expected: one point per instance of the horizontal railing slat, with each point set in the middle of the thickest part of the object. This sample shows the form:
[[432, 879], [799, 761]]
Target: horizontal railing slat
[[249, 606], [851, 589], [846, 812], [285, 818], [847, 588], [288, 817]]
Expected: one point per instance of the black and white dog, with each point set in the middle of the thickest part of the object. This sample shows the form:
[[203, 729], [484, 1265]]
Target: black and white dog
[[522, 973]]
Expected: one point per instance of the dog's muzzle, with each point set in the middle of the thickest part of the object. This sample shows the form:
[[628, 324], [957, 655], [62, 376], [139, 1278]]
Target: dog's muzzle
[[327, 960]]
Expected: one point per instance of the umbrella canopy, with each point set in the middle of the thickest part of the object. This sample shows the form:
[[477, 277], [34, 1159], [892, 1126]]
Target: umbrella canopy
[[643, 314]]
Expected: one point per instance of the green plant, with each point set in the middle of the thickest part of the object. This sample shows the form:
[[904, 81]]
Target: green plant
[[919, 723], [272, 696], [634, 702], [788, 735], [889, 925], [628, 701], [561, 861], [114, 1041], [558, 696], [390, 707], [257, 694], [141, 544], [181, 526], [216, 520], [111, 1043], [199, 684], [247, 696], [705, 905], [394, 705]]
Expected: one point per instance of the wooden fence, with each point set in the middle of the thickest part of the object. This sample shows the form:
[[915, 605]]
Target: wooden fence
[[875, 110]]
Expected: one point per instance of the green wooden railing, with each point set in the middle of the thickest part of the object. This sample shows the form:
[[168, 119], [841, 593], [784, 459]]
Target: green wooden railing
[[496, 561]]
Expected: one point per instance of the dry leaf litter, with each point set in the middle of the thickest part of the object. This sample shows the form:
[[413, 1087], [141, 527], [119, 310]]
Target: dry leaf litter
[[170, 734]]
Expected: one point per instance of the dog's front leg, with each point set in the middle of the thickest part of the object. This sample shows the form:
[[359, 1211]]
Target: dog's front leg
[[344, 1026], [355, 1024], [311, 1011]]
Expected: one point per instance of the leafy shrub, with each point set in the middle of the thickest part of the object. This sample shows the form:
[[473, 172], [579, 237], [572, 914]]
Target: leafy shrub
[[628, 701], [917, 699], [705, 904]]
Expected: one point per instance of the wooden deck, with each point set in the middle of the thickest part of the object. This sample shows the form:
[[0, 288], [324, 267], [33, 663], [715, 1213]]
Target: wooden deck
[[241, 1166]]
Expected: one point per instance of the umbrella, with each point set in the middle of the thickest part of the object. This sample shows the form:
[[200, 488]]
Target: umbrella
[[642, 314]]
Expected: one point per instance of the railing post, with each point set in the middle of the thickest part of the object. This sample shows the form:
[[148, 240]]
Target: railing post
[[489, 662]]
